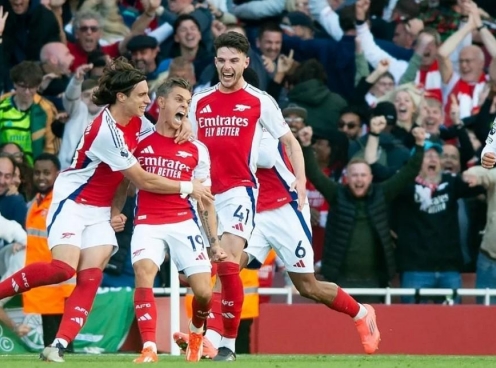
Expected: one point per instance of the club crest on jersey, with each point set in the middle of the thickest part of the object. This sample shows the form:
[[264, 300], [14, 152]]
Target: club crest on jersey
[[183, 154], [241, 107]]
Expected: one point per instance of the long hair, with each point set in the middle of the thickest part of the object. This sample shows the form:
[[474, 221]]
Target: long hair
[[118, 77]]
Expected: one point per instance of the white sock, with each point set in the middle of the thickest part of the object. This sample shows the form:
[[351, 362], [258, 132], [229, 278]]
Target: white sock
[[362, 312], [228, 343], [61, 342], [150, 344], [214, 337], [194, 329]]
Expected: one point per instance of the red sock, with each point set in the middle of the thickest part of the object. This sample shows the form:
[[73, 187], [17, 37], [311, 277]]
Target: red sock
[[344, 303], [78, 305], [214, 321], [200, 312], [145, 309], [232, 297], [34, 275]]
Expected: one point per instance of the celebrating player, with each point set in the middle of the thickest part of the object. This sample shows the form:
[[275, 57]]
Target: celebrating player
[[229, 118], [79, 233], [168, 221], [276, 213]]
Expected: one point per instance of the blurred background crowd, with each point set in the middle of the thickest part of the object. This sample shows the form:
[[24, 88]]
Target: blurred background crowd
[[334, 65]]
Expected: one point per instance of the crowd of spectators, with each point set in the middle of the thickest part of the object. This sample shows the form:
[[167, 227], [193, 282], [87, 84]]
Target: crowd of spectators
[[364, 74]]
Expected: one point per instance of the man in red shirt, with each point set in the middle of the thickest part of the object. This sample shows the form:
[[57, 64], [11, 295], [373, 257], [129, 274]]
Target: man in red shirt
[[167, 223], [229, 119]]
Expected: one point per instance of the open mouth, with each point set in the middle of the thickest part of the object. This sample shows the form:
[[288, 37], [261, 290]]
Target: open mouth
[[228, 75], [179, 116], [448, 168], [432, 168]]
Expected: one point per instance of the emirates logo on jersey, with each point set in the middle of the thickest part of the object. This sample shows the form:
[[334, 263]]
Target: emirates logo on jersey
[[222, 126], [170, 169]]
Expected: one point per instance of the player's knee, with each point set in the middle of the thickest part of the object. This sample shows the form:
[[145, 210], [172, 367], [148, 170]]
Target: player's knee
[[306, 286], [145, 272], [62, 270]]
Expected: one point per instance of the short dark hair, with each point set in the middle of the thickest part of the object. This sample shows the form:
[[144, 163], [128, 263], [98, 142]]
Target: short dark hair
[[166, 87], [347, 18], [183, 18], [28, 73], [310, 69], [11, 159], [269, 27], [232, 40], [48, 157], [119, 76]]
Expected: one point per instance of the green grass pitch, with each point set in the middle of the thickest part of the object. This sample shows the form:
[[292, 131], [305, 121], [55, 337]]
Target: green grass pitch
[[263, 361]]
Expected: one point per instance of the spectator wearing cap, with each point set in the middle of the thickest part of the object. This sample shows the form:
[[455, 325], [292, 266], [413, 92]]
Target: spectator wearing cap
[[358, 249], [425, 219], [295, 117], [144, 53], [299, 25], [382, 151], [188, 42], [308, 89]]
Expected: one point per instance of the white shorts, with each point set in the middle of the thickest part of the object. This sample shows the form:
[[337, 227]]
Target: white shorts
[[236, 211], [289, 232], [182, 240], [80, 225]]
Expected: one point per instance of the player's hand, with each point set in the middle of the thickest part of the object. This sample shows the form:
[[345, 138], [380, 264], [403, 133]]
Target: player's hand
[[470, 179], [488, 160], [185, 132], [300, 187], [217, 254], [201, 193], [118, 222], [305, 136]]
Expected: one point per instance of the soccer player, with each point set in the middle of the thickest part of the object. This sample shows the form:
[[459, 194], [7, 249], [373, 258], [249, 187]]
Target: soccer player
[[228, 119], [168, 221], [78, 222], [488, 156], [277, 212]]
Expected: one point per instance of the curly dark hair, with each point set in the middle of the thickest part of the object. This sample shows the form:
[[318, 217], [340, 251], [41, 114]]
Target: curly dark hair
[[120, 76]]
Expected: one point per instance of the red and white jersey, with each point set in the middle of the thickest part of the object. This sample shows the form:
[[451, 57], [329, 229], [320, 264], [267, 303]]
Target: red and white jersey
[[274, 182], [105, 149], [230, 125], [182, 162]]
